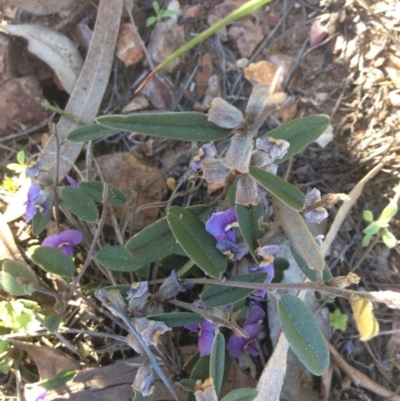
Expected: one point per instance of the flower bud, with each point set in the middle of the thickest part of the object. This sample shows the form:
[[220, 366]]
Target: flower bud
[[144, 379], [246, 193], [239, 153], [151, 330], [172, 286]]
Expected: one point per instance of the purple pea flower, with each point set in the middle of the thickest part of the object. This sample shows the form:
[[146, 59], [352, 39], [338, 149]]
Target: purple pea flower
[[318, 214], [206, 336], [71, 181], [34, 169], [237, 346], [37, 201], [206, 151], [223, 225], [65, 241], [37, 393], [231, 250]]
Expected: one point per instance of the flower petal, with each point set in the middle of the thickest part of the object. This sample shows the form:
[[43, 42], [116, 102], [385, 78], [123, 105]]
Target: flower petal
[[214, 169], [37, 393], [206, 339], [236, 346], [246, 192], [67, 250], [221, 225], [52, 241], [313, 196], [224, 114], [255, 315], [239, 153], [73, 237], [232, 250]]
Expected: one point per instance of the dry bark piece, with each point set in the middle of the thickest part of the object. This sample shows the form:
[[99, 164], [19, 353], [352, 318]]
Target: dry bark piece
[[20, 104], [317, 33], [41, 7], [88, 93], [166, 38], [191, 11], [246, 35], [128, 50], [122, 170]]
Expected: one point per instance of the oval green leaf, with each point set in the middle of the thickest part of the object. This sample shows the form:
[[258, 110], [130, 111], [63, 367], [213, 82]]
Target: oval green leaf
[[94, 189], [39, 222], [241, 394], [310, 273], [88, 133], [54, 261], [373, 228], [285, 192], [300, 133], [249, 220], [178, 319], [220, 295], [117, 258], [217, 361], [188, 384], [80, 204], [153, 243], [303, 333], [16, 278], [198, 244], [389, 239], [186, 126], [52, 323]]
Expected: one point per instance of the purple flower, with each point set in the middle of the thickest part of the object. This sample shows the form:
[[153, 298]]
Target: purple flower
[[37, 201], [207, 151], [317, 214], [37, 393], [65, 242], [34, 169], [138, 289], [231, 250], [206, 336], [223, 225], [276, 148], [253, 325], [71, 181]]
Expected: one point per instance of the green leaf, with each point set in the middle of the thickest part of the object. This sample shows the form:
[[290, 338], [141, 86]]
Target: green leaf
[[184, 126], [201, 371], [366, 240], [198, 244], [249, 224], [140, 397], [94, 189], [122, 288], [188, 384], [368, 216], [338, 320], [299, 236], [220, 295], [16, 278], [54, 261], [303, 333], [299, 133], [388, 212], [389, 239], [241, 394], [281, 263], [52, 323], [117, 258], [153, 243], [58, 380], [150, 21], [285, 192], [156, 7], [88, 133], [177, 319], [39, 222], [373, 228], [310, 273], [80, 204], [21, 157], [217, 361], [168, 13]]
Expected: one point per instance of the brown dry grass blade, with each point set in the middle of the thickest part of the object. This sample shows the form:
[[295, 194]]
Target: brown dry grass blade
[[88, 93]]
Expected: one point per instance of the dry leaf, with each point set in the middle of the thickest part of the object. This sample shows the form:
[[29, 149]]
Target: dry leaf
[[41, 7], [213, 90], [20, 104], [375, 47], [8, 248], [262, 72], [326, 137], [363, 314], [137, 103], [159, 93], [288, 110], [55, 49], [215, 185], [49, 361], [246, 35], [88, 93], [339, 45], [203, 74], [4, 69], [393, 70], [83, 34], [122, 170], [317, 33], [191, 11], [166, 38], [129, 49]]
